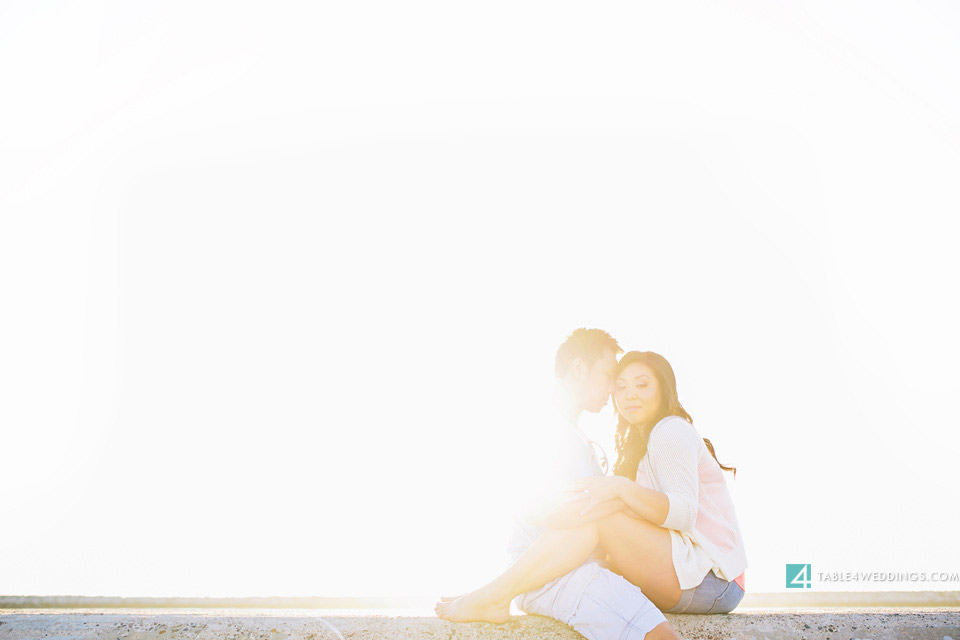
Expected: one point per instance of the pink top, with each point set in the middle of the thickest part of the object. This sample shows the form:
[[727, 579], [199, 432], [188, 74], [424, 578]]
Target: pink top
[[703, 525]]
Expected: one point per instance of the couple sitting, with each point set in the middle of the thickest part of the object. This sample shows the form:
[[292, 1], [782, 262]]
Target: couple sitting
[[607, 553]]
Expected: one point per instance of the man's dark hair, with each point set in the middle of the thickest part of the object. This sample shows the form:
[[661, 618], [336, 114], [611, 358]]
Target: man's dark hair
[[586, 344]]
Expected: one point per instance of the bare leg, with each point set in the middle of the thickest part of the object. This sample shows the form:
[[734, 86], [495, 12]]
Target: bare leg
[[643, 554], [553, 554], [640, 549]]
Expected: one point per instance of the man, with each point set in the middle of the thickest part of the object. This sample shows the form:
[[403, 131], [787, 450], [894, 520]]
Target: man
[[595, 601]]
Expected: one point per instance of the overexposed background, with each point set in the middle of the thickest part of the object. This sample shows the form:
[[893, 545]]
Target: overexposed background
[[281, 285]]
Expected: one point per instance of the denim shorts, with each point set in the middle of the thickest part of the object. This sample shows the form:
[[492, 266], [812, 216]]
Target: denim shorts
[[713, 595]]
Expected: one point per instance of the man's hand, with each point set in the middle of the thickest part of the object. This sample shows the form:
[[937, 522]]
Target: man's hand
[[594, 491]]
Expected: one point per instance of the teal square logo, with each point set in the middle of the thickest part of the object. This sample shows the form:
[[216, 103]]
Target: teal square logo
[[799, 576]]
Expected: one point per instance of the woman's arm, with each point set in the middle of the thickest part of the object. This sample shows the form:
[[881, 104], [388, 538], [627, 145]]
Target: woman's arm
[[648, 504], [674, 451], [644, 503]]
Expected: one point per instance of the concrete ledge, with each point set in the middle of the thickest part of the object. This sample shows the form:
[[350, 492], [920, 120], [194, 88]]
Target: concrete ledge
[[265, 624], [796, 599]]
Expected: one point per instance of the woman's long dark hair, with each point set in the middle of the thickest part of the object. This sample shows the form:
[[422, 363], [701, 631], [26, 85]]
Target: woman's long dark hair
[[631, 440]]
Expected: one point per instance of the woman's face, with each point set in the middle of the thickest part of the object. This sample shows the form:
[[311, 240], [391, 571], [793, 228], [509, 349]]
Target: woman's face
[[637, 394]]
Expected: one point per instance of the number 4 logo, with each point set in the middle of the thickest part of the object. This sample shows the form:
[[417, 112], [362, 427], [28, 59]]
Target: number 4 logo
[[799, 576]]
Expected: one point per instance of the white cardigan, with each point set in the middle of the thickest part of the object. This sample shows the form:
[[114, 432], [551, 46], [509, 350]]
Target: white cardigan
[[704, 533]]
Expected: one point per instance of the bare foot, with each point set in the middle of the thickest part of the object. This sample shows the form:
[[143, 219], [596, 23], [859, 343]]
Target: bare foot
[[662, 631], [450, 598], [474, 607]]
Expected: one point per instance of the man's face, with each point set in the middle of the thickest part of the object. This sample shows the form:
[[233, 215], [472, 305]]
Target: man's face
[[597, 383]]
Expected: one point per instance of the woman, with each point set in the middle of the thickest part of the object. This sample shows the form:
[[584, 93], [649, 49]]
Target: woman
[[675, 533]]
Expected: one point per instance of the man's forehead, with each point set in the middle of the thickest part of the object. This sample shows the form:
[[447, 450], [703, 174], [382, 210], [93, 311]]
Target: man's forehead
[[608, 360]]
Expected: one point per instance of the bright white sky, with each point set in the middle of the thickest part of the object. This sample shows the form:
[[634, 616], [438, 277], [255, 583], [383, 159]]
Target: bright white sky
[[282, 284]]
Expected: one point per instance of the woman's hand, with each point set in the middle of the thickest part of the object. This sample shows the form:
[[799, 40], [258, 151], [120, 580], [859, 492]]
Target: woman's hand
[[598, 490]]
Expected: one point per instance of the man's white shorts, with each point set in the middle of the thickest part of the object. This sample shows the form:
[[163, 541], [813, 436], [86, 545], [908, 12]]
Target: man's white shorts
[[595, 601]]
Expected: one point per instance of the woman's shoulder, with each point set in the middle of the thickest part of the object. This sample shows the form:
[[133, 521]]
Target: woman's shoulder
[[674, 428]]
